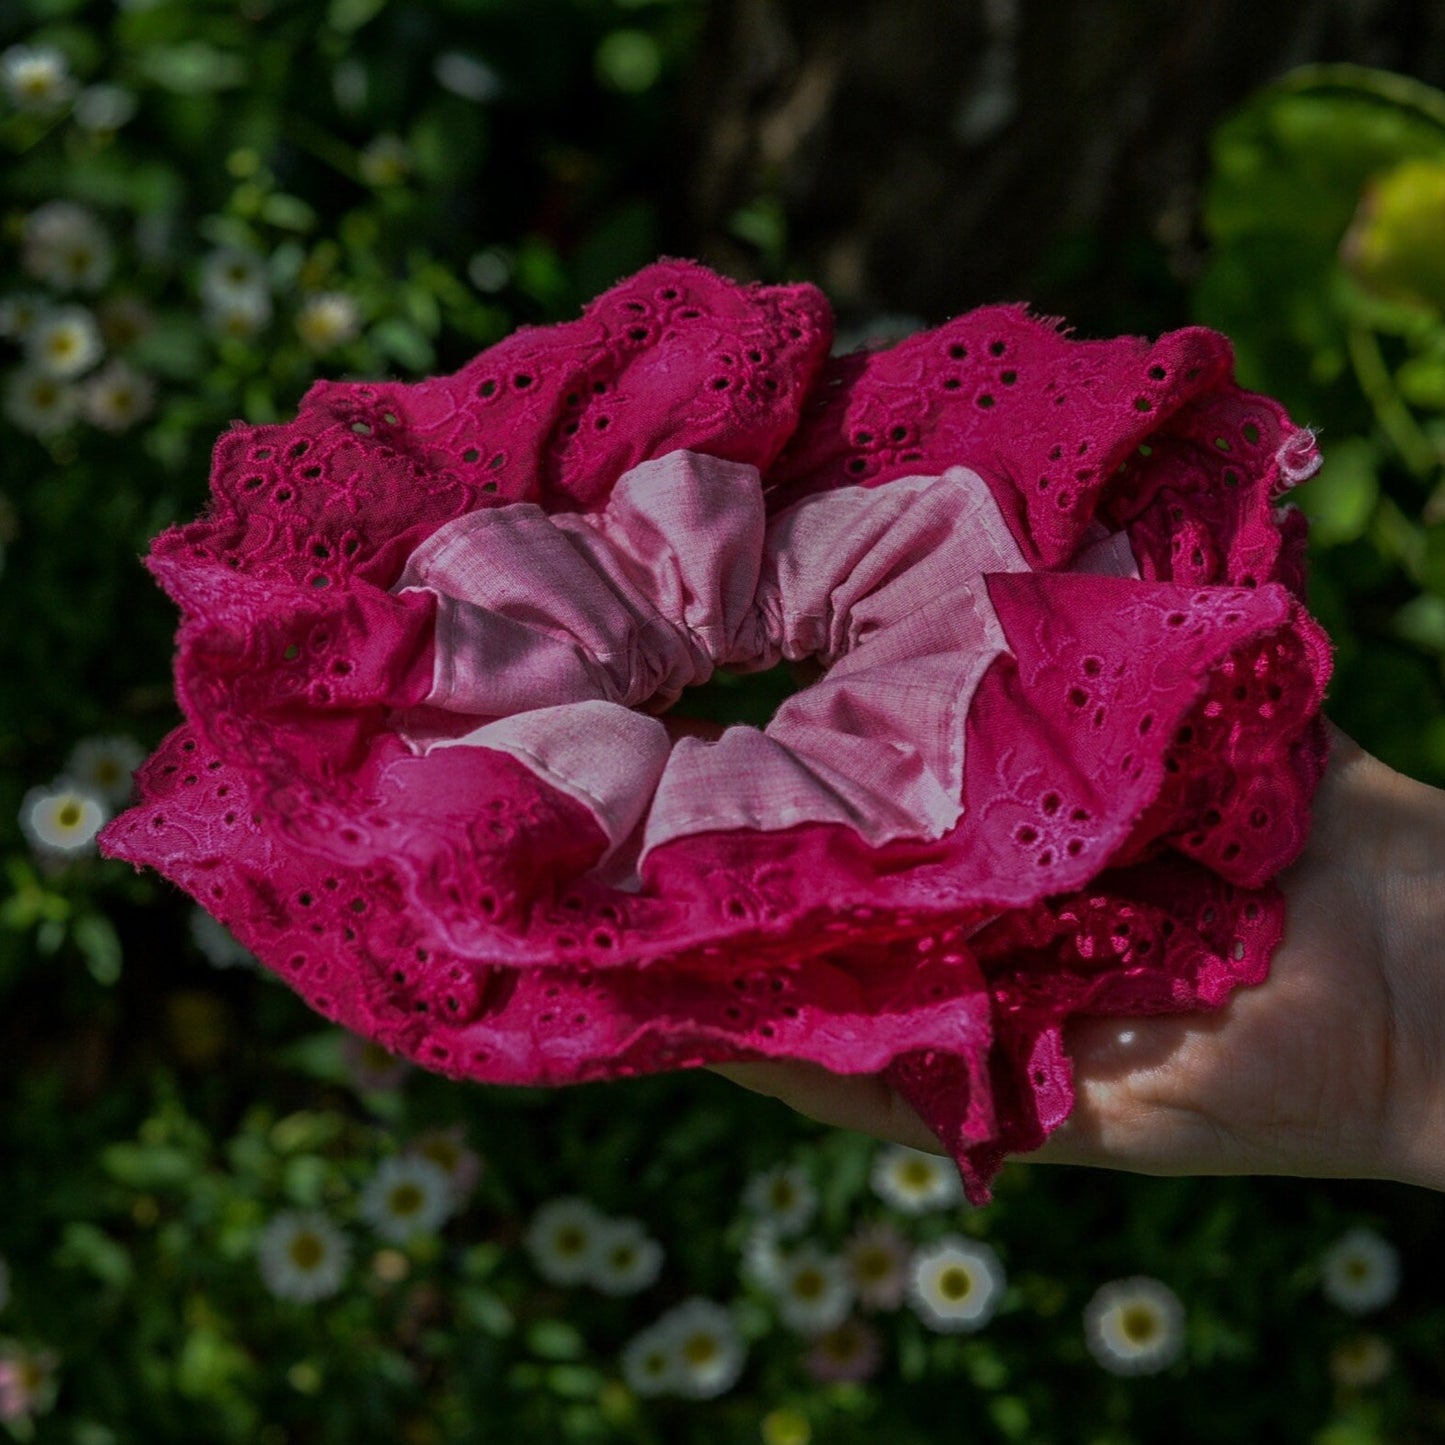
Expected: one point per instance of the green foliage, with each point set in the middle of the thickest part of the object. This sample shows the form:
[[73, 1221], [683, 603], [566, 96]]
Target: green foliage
[[1326, 210], [283, 189]]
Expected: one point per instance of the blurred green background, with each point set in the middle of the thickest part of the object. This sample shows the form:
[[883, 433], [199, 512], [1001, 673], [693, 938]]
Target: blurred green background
[[203, 207]]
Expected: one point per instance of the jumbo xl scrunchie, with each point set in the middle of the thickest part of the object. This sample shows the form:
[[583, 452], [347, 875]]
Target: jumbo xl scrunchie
[[1065, 734]]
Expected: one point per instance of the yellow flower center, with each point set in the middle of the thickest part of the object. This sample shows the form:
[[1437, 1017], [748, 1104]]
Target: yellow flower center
[[699, 1349], [571, 1240], [872, 1264], [1139, 1325], [916, 1173], [406, 1199], [307, 1251], [955, 1283], [809, 1284]]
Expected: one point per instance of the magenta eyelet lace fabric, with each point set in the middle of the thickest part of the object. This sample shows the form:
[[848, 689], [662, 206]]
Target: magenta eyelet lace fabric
[[1066, 730]]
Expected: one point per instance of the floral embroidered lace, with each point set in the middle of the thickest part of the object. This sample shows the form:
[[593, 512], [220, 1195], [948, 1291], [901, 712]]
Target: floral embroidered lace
[[1067, 735]]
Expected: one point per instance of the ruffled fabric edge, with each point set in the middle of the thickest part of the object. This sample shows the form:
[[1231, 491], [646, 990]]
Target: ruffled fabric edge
[[409, 932]]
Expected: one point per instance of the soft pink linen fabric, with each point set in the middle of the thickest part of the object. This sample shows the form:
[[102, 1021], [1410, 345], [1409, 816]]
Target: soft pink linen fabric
[[561, 627], [1127, 774]]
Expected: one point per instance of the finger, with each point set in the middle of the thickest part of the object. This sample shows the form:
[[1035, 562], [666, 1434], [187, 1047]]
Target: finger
[[846, 1101]]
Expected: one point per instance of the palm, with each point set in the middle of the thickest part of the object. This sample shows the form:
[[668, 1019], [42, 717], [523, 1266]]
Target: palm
[[1300, 1075], [1290, 1077]]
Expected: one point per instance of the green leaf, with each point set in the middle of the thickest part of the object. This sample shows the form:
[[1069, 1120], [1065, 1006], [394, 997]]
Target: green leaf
[[555, 1340], [1394, 245], [1340, 499], [1432, 566], [350, 15], [629, 61], [147, 1166], [1422, 621], [99, 944], [194, 67], [762, 224], [290, 213], [87, 1248], [404, 343], [574, 1382], [209, 1363], [1011, 1416], [488, 1313], [1421, 380]]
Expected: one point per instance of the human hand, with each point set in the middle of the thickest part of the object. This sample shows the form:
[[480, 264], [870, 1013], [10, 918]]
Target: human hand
[[1335, 1066]]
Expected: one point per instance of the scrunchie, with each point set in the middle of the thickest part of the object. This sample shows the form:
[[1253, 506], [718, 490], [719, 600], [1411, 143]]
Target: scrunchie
[[1066, 730]]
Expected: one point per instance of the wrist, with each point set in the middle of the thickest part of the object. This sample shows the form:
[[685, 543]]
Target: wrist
[[1402, 836]]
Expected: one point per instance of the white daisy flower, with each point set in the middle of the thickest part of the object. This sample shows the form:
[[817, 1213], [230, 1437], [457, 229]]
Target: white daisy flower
[[104, 108], [406, 1196], [117, 397], [447, 1149], [104, 766], [64, 342], [1361, 1362], [954, 1284], [218, 945], [302, 1256], [36, 77], [708, 1352], [762, 1257], [783, 1197], [1134, 1326], [876, 1260], [20, 312], [852, 1351], [626, 1259], [914, 1182], [1361, 1272], [28, 1385], [563, 1238], [65, 244], [231, 273], [38, 404], [328, 320], [649, 1363], [240, 316], [61, 819], [812, 1291], [385, 161]]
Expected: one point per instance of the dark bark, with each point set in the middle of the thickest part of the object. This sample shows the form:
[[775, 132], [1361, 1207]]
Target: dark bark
[[930, 156]]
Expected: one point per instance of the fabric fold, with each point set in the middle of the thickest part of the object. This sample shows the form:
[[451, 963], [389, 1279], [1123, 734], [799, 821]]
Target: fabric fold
[[548, 622]]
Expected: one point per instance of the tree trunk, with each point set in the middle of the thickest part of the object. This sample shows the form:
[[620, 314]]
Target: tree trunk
[[929, 156]]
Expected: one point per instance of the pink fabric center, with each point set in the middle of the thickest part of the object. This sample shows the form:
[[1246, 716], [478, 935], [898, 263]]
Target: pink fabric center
[[563, 634]]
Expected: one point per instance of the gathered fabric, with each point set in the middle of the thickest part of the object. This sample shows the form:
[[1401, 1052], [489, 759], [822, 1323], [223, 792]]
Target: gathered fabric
[[1063, 736], [569, 632]]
